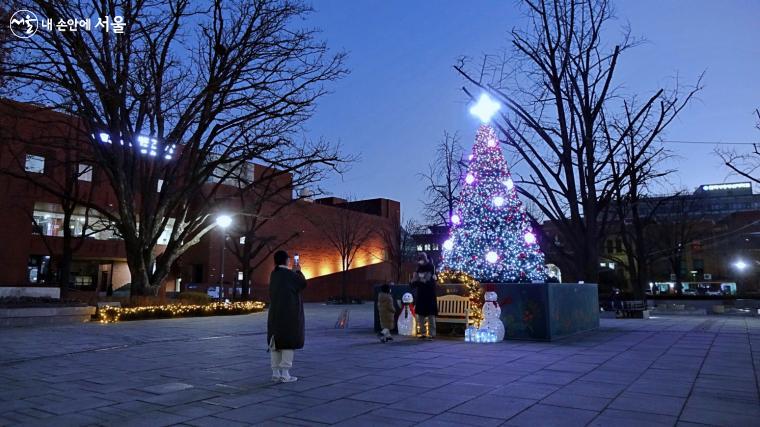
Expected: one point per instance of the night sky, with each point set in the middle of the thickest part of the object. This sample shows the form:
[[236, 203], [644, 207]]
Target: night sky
[[402, 92]]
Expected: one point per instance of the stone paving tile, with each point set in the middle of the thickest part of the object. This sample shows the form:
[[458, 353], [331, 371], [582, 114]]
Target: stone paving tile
[[551, 377], [503, 408], [525, 390], [592, 388], [75, 405], [705, 416], [454, 419], [335, 411], [576, 401], [615, 418], [546, 415], [214, 422], [389, 394], [255, 413], [432, 405], [648, 403]]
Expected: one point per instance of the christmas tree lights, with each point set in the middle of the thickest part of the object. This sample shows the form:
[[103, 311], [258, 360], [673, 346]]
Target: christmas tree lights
[[491, 238]]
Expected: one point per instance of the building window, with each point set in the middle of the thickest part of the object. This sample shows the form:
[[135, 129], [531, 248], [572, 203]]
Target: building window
[[159, 185], [419, 248], [242, 240], [34, 164], [427, 246], [85, 172], [37, 269]]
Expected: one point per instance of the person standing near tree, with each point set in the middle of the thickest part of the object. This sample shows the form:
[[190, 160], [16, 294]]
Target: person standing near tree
[[285, 324], [427, 304]]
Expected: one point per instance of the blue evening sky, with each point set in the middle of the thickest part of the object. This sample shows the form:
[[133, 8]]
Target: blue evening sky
[[402, 92]]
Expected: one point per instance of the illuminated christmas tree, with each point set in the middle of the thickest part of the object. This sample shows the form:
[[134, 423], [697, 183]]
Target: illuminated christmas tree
[[491, 238]]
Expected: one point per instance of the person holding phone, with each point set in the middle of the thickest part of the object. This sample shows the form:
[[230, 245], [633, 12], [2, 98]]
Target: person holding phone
[[285, 324]]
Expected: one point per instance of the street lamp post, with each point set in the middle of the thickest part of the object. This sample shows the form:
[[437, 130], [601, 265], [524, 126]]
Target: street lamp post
[[223, 221]]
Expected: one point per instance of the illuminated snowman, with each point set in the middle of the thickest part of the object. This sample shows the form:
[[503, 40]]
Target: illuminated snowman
[[492, 316], [407, 325]]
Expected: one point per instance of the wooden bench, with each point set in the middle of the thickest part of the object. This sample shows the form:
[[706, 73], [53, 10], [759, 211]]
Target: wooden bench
[[453, 309], [634, 309]]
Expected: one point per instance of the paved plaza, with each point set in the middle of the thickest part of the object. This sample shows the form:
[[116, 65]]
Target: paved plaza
[[215, 372]]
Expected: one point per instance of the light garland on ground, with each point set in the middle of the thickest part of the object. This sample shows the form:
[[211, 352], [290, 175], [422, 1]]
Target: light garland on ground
[[116, 314], [473, 289]]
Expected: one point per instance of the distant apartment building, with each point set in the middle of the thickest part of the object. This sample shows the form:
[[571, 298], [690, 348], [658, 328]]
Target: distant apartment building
[[33, 219]]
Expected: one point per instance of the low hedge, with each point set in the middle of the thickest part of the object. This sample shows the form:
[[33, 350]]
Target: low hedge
[[116, 314], [194, 298]]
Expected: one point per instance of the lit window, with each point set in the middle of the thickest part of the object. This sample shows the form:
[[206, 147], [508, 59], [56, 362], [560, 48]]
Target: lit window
[[159, 185], [242, 242], [427, 246], [85, 172], [34, 164], [419, 248]]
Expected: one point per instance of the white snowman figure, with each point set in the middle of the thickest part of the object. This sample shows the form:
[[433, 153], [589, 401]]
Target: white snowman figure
[[407, 324], [492, 316]]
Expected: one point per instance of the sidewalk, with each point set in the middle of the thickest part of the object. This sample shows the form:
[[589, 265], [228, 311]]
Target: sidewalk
[[215, 371]]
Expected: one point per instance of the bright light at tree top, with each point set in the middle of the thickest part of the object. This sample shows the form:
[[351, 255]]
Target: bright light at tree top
[[485, 108]]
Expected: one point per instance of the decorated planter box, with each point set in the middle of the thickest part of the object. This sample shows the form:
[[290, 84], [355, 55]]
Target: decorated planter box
[[547, 311]]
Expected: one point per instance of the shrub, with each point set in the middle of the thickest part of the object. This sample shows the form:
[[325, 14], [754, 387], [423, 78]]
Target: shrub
[[115, 314], [194, 298]]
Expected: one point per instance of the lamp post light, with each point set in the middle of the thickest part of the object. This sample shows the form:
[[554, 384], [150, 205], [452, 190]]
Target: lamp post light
[[741, 265], [223, 221]]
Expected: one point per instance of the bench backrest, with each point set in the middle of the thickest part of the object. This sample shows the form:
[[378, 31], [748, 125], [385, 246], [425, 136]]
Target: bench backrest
[[453, 305]]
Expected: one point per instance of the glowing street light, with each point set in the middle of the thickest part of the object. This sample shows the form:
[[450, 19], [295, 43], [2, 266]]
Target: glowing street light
[[223, 221], [741, 265]]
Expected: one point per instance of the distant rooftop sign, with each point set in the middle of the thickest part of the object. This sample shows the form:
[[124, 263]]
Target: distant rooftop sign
[[729, 186]]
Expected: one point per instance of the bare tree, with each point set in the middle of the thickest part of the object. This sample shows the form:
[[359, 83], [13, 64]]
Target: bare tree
[[346, 231], [272, 193], [443, 179], [562, 101], [175, 103], [5, 34], [636, 167], [746, 165], [679, 224], [399, 243]]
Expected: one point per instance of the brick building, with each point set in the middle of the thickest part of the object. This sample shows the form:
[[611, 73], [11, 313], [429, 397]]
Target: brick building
[[34, 143]]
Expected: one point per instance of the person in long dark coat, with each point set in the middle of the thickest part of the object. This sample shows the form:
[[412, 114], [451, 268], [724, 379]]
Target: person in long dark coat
[[426, 304], [285, 325]]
